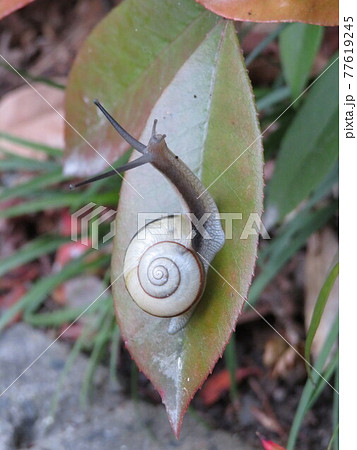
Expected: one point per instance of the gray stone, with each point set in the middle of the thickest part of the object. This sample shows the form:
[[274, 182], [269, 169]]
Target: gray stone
[[110, 422]]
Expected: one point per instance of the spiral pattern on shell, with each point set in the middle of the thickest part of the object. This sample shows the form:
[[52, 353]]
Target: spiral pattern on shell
[[163, 274]]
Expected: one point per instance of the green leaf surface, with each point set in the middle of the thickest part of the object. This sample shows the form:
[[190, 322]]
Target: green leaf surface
[[308, 150], [299, 44], [321, 12], [183, 66], [126, 63], [212, 125]]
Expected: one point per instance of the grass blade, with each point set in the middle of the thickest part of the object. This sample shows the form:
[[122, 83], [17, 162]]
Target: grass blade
[[32, 186], [285, 245], [318, 311], [114, 355], [79, 344], [334, 439], [299, 44], [263, 44], [52, 151], [274, 97], [55, 200], [335, 411], [320, 384], [230, 359], [34, 249], [55, 318], [104, 327], [16, 162], [39, 291], [308, 393], [308, 150], [34, 78], [134, 382]]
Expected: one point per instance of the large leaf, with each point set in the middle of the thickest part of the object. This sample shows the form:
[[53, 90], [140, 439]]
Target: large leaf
[[320, 12], [192, 78], [209, 117], [299, 44], [9, 6], [308, 150], [126, 63]]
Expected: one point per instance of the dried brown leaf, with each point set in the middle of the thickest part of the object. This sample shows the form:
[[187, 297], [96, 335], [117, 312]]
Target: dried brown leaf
[[322, 248], [23, 113]]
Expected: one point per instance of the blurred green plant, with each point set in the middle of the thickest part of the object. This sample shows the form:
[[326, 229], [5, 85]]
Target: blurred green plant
[[301, 194]]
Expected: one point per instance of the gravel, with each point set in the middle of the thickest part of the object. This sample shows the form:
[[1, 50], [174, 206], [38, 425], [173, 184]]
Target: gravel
[[111, 421]]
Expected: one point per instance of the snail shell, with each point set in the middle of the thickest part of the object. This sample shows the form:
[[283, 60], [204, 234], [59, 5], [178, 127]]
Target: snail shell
[[163, 273]]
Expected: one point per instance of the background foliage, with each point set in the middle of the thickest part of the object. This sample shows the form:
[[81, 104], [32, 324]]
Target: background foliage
[[300, 144]]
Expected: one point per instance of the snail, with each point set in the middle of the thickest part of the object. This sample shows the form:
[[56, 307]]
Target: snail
[[166, 262]]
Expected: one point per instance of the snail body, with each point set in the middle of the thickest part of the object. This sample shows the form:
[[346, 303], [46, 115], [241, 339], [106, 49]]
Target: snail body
[[166, 262]]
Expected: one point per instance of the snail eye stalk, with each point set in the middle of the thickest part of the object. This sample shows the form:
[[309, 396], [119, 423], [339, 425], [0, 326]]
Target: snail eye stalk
[[131, 165], [130, 140], [123, 133]]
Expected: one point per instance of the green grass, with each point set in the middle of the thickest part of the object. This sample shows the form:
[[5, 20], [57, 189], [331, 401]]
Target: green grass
[[32, 250], [316, 383], [47, 189], [318, 312]]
